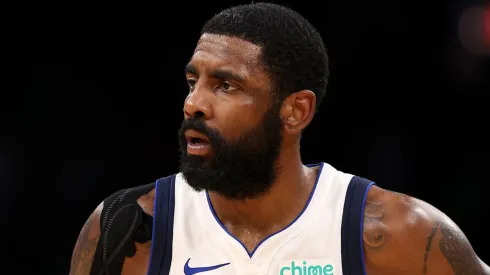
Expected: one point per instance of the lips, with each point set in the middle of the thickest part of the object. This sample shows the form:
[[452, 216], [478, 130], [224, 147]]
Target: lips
[[195, 137], [197, 143]]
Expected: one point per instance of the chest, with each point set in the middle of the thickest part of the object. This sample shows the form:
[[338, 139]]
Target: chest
[[304, 252], [311, 244]]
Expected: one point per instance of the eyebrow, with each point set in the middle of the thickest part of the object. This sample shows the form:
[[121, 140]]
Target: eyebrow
[[219, 73]]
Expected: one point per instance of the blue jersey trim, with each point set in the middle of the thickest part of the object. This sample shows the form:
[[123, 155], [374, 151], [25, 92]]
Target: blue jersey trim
[[250, 254], [353, 262], [362, 226], [154, 228], [163, 225]]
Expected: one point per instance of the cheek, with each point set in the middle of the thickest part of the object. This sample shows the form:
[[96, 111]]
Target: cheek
[[236, 120]]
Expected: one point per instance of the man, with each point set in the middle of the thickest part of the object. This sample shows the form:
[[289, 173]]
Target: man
[[243, 202]]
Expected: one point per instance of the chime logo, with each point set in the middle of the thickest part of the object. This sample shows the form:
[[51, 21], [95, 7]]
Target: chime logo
[[305, 268]]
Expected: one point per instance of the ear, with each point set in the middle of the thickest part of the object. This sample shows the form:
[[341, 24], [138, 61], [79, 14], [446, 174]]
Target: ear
[[298, 110]]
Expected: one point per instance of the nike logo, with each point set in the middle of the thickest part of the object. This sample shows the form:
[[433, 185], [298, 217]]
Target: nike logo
[[193, 270]]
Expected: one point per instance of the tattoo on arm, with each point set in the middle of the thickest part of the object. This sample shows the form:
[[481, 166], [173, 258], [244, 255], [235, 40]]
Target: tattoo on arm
[[428, 247], [374, 232], [458, 252], [85, 247]]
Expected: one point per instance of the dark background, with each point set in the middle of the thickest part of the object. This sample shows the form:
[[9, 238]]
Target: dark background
[[91, 100]]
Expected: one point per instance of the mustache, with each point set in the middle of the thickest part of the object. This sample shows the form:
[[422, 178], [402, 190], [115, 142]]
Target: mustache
[[199, 126]]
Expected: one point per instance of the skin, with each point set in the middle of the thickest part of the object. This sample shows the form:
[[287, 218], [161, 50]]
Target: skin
[[402, 235]]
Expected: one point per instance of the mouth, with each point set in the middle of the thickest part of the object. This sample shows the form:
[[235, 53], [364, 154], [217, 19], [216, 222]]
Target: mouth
[[195, 137], [197, 143]]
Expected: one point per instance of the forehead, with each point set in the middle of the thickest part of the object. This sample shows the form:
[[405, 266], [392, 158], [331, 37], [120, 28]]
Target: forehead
[[217, 51]]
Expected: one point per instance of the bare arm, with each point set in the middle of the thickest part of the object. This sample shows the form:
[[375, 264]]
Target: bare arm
[[485, 267], [86, 244], [403, 235]]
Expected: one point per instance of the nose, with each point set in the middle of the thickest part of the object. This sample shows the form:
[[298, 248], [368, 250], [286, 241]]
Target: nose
[[197, 103]]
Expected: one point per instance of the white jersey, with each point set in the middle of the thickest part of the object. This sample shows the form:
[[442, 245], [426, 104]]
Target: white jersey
[[325, 238]]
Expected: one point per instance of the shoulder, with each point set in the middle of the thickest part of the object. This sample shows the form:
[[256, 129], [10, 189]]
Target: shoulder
[[405, 235], [113, 216], [142, 197]]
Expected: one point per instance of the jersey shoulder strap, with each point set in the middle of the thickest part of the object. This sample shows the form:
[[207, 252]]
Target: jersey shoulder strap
[[352, 244], [163, 227]]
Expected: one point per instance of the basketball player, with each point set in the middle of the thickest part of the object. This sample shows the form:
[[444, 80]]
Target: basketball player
[[243, 201]]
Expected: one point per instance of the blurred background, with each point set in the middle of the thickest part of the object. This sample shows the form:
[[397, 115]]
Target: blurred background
[[91, 100]]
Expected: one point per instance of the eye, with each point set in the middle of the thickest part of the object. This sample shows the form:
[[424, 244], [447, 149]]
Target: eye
[[191, 83], [226, 86]]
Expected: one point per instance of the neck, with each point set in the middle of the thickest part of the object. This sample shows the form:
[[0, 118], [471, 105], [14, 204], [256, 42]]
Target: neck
[[279, 207]]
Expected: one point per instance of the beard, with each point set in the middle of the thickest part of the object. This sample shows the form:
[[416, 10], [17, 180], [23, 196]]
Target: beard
[[240, 169]]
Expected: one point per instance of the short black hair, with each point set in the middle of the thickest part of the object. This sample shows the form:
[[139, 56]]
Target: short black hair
[[293, 52]]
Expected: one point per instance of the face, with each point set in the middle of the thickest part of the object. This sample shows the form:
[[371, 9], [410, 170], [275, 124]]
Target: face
[[231, 136]]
